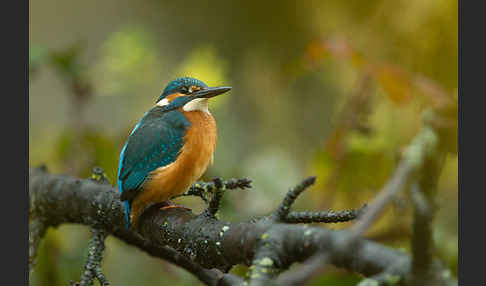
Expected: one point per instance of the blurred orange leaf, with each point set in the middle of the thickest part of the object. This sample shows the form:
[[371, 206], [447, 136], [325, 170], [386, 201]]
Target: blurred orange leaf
[[336, 47], [396, 83]]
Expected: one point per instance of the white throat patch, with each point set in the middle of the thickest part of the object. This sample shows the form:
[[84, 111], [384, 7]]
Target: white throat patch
[[163, 102], [198, 104]]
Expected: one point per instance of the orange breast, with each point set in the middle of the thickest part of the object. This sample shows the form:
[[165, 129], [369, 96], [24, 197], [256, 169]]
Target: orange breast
[[192, 162]]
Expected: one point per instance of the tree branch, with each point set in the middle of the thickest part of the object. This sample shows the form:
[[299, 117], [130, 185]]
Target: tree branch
[[423, 192], [92, 269], [37, 229], [199, 243], [205, 189], [416, 157], [284, 208], [324, 216]]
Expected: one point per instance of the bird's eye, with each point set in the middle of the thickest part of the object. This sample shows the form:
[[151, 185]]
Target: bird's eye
[[184, 89]]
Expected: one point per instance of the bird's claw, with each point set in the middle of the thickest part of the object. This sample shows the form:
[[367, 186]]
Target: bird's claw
[[170, 205]]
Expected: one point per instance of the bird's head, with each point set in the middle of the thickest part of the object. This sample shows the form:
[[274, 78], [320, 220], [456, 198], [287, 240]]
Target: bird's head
[[189, 93]]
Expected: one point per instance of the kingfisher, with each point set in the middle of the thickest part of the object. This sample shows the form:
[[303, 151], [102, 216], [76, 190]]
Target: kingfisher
[[169, 148]]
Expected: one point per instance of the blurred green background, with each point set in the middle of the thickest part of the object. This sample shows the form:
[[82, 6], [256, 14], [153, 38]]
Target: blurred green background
[[334, 89]]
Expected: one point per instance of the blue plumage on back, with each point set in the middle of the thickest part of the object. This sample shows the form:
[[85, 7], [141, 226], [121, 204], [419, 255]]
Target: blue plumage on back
[[155, 142], [127, 204]]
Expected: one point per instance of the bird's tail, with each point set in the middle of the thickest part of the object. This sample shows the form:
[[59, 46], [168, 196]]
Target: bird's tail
[[127, 214], [127, 208]]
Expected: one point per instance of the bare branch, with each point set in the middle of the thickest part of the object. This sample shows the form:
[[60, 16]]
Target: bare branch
[[423, 193], [200, 243], [64, 199], [37, 229], [217, 196], [92, 268], [205, 189], [284, 208], [424, 144], [324, 216]]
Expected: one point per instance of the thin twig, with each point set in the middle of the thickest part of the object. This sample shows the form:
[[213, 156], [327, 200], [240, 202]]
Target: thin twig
[[92, 268], [217, 196], [422, 193], [37, 229], [424, 143], [392, 187], [324, 216], [284, 208], [205, 189]]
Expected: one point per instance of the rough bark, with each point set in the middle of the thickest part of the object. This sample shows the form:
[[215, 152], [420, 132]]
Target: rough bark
[[200, 243]]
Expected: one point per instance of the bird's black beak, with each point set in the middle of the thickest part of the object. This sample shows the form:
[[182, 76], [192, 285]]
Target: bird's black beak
[[203, 93], [211, 91]]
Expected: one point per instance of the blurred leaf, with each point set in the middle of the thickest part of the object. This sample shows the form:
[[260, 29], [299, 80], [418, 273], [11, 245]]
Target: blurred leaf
[[129, 61], [103, 151], [239, 270], [96, 149], [396, 83], [334, 145], [336, 278], [334, 47], [37, 56], [355, 175], [46, 270], [66, 61]]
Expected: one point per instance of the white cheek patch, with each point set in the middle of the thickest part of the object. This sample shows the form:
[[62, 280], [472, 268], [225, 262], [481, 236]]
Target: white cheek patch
[[199, 104], [163, 102]]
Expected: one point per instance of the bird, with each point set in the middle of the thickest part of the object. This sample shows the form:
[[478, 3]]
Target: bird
[[169, 148]]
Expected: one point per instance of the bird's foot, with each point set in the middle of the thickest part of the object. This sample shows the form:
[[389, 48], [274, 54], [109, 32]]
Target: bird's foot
[[169, 205]]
